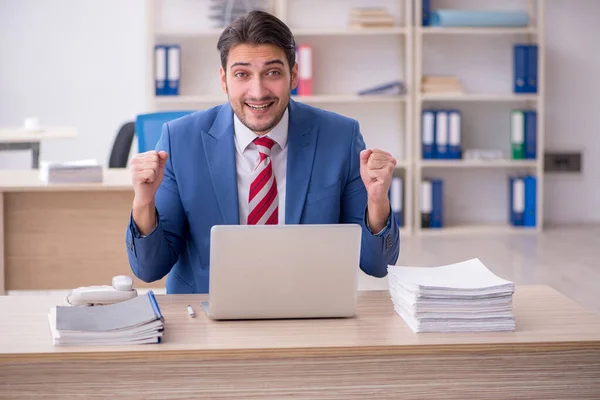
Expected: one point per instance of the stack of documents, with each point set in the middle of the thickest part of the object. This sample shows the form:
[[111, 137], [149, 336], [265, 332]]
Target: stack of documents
[[371, 17], [134, 321], [441, 84], [461, 297], [84, 171]]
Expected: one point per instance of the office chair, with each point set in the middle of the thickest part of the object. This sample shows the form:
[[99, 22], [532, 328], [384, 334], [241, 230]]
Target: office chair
[[119, 155], [148, 127]]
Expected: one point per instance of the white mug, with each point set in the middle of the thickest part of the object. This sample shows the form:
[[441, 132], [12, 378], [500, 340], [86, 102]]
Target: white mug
[[31, 124]]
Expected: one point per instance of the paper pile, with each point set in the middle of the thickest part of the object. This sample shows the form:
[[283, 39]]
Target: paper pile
[[134, 321], [461, 297], [441, 84], [370, 17], [84, 171]]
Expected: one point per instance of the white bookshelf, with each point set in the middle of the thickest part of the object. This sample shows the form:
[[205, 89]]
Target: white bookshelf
[[483, 180], [341, 54], [347, 60]]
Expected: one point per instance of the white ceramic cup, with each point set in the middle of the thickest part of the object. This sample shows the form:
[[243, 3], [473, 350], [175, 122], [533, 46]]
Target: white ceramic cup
[[31, 124]]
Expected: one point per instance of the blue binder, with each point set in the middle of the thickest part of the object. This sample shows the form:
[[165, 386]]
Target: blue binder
[[532, 68], [454, 135], [160, 70], [428, 133], [173, 69], [529, 217], [396, 199], [520, 68], [516, 201], [530, 144], [426, 12], [437, 203], [441, 142]]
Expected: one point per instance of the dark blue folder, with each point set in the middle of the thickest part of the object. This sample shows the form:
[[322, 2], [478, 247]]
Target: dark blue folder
[[520, 68], [530, 144], [437, 203]]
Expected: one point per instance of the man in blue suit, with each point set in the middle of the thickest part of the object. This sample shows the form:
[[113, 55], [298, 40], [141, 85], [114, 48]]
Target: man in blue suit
[[262, 158]]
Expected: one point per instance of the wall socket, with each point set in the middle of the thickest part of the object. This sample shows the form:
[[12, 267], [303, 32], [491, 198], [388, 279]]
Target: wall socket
[[562, 162]]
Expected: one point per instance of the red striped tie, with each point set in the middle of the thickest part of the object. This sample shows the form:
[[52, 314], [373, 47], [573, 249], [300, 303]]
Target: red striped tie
[[263, 201]]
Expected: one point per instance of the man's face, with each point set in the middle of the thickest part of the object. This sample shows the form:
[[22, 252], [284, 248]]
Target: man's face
[[258, 84]]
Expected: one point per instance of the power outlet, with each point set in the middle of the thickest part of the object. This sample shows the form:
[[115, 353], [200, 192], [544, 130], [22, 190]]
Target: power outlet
[[562, 162]]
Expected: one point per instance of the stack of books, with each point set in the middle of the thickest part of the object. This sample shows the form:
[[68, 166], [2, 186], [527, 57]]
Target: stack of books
[[135, 321], [461, 297], [371, 17], [84, 171], [441, 84], [225, 12]]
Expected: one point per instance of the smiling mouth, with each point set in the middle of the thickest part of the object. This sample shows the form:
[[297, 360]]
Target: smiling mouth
[[260, 107]]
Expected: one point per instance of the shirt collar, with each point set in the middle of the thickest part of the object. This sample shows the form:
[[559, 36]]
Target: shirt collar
[[244, 136]]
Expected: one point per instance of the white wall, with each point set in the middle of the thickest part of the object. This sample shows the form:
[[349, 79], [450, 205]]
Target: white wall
[[573, 107], [82, 63], [71, 62]]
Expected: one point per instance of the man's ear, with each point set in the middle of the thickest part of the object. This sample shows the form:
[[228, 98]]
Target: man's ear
[[294, 76], [223, 75]]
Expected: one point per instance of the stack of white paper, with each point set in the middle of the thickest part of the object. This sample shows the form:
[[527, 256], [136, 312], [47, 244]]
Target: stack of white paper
[[135, 321], [461, 297], [83, 171]]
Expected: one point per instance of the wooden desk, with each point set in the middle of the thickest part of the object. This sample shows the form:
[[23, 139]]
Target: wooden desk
[[18, 138], [554, 354], [55, 237]]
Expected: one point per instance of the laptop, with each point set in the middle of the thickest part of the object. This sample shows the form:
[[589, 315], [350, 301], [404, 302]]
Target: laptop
[[283, 271]]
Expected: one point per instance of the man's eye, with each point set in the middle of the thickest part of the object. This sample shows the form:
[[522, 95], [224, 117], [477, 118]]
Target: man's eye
[[240, 74], [274, 73]]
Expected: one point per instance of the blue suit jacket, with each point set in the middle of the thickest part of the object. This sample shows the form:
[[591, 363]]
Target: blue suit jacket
[[199, 190]]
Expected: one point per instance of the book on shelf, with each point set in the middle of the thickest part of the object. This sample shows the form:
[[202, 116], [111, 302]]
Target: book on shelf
[[478, 18], [305, 70], [224, 12], [460, 297], [167, 69], [370, 17], [387, 88], [135, 321], [432, 203], [523, 134], [525, 68], [522, 195], [397, 199], [441, 136], [441, 84], [483, 154]]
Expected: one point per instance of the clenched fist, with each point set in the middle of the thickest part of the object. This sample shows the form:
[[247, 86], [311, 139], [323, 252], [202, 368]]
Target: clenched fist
[[376, 171], [147, 170]]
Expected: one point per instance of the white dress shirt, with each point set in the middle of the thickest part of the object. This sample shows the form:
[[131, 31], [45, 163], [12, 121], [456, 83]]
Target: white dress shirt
[[247, 158]]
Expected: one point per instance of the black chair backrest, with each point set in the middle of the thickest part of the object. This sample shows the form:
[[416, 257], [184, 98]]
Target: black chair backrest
[[119, 155]]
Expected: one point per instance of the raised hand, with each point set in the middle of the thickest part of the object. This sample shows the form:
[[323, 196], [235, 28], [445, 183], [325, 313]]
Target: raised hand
[[376, 171], [147, 172]]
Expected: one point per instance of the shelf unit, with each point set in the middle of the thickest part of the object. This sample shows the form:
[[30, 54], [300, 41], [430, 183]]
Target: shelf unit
[[342, 54], [331, 92], [478, 100]]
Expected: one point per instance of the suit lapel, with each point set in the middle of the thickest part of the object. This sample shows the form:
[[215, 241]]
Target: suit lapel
[[302, 141], [219, 147]]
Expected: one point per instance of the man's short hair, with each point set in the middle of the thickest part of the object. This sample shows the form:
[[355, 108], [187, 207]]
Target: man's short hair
[[255, 28]]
